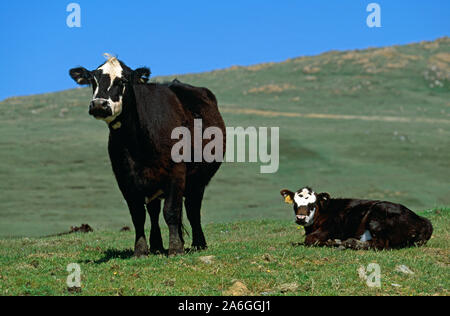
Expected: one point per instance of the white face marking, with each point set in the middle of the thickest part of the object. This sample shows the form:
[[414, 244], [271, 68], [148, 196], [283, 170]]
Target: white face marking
[[116, 108], [96, 89], [113, 69], [304, 197], [366, 236]]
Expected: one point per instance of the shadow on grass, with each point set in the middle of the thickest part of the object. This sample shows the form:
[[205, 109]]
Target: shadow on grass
[[111, 254], [127, 254]]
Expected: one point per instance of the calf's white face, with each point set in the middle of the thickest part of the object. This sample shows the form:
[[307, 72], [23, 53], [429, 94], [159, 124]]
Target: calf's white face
[[305, 207], [304, 197]]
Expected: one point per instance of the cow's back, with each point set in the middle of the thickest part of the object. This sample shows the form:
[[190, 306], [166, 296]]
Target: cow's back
[[399, 224], [201, 104]]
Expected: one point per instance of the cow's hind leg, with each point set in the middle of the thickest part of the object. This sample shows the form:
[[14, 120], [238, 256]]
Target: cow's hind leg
[[173, 207], [193, 204], [156, 243], [137, 211]]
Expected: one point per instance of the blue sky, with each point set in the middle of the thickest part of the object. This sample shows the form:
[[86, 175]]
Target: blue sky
[[175, 37]]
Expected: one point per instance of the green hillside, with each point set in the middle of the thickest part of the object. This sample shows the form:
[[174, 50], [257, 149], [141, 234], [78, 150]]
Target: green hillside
[[371, 123]]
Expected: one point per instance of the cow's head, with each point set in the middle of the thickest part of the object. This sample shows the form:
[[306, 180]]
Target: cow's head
[[109, 83], [306, 204]]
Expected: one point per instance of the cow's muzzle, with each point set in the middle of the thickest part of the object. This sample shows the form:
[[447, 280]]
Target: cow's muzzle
[[99, 108], [300, 219]]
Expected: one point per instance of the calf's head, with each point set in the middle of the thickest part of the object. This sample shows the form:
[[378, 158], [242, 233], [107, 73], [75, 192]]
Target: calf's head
[[306, 203], [109, 84]]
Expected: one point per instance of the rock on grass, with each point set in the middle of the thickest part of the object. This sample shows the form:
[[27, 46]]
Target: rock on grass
[[237, 289]]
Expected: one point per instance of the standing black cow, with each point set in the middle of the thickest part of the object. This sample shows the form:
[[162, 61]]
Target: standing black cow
[[141, 117]]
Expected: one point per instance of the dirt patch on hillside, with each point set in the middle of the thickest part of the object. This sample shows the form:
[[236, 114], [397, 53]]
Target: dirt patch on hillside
[[438, 70], [442, 62], [393, 119], [260, 66], [378, 60], [311, 70], [256, 67], [271, 88], [433, 45]]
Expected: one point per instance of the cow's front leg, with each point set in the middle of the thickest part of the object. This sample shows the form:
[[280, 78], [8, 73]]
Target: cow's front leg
[[173, 206], [317, 238], [156, 242], [355, 244], [137, 211]]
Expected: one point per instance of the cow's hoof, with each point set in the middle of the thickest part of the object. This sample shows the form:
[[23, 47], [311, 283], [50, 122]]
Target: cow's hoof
[[196, 249], [140, 255], [199, 247], [158, 251], [176, 252], [355, 244], [141, 249]]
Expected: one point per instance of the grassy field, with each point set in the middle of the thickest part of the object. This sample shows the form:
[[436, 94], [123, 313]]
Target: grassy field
[[245, 258]]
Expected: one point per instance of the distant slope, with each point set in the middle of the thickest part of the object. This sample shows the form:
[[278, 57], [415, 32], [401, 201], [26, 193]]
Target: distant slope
[[55, 170], [410, 80]]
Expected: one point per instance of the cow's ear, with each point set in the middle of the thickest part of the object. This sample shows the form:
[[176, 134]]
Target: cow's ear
[[141, 75], [81, 75], [288, 196], [323, 199]]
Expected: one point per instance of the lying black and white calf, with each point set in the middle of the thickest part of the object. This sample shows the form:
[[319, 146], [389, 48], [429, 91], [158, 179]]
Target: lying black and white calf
[[357, 224]]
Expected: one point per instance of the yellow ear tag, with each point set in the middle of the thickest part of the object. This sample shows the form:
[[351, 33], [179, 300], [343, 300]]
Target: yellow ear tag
[[288, 200], [117, 125]]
